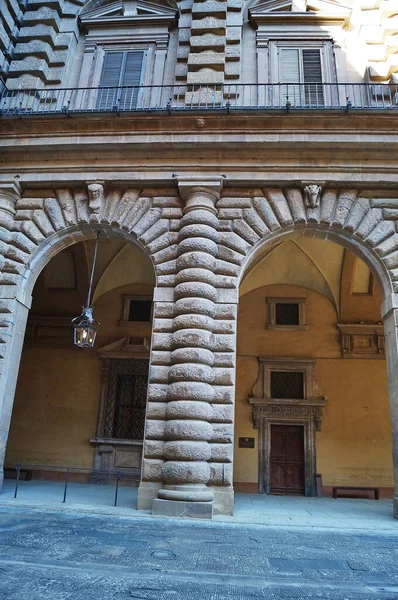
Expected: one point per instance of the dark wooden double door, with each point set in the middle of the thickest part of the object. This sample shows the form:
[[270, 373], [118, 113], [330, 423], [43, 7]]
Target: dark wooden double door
[[287, 472]]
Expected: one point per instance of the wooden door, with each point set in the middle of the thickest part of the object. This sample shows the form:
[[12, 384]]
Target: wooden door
[[287, 474]]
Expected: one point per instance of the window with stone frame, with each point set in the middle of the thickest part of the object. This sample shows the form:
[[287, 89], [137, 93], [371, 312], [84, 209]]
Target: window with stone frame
[[125, 403], [305, 71], [286, 313], [136, 310]]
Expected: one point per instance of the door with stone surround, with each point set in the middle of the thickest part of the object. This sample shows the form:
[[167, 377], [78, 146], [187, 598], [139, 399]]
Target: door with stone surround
[[287, 468]]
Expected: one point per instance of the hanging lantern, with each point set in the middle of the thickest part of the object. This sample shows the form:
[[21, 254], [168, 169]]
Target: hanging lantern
[[85, 327]]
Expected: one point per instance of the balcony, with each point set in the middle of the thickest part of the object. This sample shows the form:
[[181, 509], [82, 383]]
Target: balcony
[[217, 98]]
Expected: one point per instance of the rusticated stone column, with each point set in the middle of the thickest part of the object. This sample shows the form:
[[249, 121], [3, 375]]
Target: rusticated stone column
[[188, 429], [13, 312]]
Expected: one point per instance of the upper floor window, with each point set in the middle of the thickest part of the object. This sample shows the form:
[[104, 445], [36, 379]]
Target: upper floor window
[[301, 70], [121, 76]]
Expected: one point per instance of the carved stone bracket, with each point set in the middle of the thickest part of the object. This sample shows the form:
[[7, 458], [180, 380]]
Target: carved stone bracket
[[312, 194], [362, 340]]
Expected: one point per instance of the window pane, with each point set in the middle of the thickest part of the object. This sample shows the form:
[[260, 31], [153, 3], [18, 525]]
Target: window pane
[[287, 384], [140, 310], [287, 313]]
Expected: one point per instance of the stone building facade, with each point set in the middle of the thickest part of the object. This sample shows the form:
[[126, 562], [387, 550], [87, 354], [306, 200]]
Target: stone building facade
[[207, 134]]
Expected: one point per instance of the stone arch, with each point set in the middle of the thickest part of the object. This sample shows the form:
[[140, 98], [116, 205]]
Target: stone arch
[[40, 224], [364, 222]]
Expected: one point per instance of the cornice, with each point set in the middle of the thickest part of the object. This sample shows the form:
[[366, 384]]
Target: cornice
[[295, 18]]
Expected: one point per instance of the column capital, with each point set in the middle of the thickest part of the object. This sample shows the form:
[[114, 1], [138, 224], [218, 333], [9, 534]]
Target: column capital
[[10, 187], [200, 191]]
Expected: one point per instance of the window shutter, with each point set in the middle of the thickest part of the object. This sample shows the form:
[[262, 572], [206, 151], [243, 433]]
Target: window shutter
[[110, 80], [112, 67], [131, 77], [312, 66], [312, 73], [120, 69], [290, 65], [290, 74], [132, 73]]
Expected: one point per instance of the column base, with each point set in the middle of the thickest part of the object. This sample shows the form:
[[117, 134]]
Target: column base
[[395, 506], [181, 509], [147, 492]]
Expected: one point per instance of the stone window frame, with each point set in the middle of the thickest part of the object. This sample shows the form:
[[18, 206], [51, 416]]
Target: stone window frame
[[130, 35], [126, 299], [107, 449], [271, 313]]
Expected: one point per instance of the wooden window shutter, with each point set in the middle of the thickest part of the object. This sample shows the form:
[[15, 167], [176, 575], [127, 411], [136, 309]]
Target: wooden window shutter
[[290, 65], [112, 68], [312, 76], [312, 66], [131, 76], [120, 69], [290, 74]]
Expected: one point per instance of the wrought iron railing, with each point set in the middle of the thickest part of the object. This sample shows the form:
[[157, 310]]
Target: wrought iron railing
[[175, 98], [67, 471]]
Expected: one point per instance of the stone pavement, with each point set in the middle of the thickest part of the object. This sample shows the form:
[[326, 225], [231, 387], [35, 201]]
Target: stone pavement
[[48, 555], [294, 511]]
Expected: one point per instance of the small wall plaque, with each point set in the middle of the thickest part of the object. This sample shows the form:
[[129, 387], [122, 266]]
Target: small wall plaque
[[246, 442]]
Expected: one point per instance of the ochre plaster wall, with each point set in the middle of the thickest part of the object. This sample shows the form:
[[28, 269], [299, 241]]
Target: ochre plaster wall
[[57, 399], [354, 446]]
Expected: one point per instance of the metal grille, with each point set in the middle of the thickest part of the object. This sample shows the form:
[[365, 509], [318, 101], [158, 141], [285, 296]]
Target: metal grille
[[124, 412], [287, 384], [287, 313]]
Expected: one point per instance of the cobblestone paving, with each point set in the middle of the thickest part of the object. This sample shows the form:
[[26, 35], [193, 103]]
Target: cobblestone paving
[[46, 555]]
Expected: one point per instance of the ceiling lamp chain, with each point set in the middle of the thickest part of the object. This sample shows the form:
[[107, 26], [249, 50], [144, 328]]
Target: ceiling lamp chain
[[86, 326]]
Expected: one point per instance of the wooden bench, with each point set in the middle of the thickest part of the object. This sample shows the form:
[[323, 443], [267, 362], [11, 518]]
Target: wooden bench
[[345, 488]]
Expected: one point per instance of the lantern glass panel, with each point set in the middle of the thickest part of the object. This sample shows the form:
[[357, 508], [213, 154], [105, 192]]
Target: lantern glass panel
[[85, 336]]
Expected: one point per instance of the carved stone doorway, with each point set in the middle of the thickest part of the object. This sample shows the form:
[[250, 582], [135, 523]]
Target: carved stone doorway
[[287, 464], [286, 395]]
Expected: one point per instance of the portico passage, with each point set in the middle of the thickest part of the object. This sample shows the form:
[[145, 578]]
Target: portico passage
[[83, 409], [312, 406]]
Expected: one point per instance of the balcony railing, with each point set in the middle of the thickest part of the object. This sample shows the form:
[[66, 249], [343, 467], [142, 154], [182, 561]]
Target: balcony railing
[[176, 98]]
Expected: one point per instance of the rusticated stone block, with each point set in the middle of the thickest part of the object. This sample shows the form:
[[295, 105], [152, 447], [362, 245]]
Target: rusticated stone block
[[222, 453], [207, 40], [151, 469], [154, 429], [220, 474], [212, 24]]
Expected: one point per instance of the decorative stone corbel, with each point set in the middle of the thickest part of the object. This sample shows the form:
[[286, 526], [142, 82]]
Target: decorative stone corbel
[[95, 197], [312, 194]]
